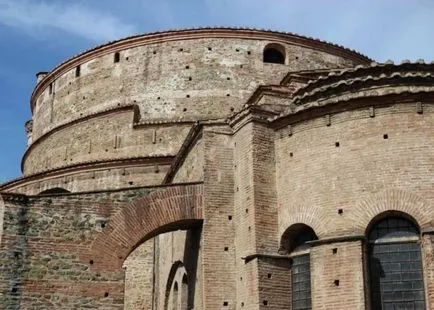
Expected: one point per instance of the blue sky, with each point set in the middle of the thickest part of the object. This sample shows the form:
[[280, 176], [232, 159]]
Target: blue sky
[[36, 35]]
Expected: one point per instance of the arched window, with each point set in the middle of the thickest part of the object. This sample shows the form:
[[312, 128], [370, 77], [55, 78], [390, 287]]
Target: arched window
[[395, 265], [295, 242], [184, 293], [274, 53]]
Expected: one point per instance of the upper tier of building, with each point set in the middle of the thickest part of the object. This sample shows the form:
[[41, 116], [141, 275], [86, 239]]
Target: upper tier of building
[[81, 108]]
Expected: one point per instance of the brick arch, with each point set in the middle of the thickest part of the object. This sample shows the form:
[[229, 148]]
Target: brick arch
[[308, 214], [168, 209], [388, 202]]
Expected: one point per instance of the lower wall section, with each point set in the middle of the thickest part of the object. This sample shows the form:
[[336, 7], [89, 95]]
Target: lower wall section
[[139, 277], [45, 260], [337, 276]]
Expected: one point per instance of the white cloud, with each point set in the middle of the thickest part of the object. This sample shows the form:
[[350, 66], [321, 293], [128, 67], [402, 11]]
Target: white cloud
[[36, 17]]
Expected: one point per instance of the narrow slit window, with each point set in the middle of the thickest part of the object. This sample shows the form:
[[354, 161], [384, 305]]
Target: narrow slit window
[[77, 71], [117, 57]]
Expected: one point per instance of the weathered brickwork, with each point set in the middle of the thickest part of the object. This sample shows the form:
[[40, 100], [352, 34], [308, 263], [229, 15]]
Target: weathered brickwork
[[205, 175]]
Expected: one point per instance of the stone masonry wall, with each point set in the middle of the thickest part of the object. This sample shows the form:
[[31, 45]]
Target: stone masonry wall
[[157, 78], [44, 251]]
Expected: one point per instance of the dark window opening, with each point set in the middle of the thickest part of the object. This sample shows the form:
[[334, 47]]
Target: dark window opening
[[274, 54], [77, 71], [54, 191], [50, 88], [117, 57], [296, 239], [395, 265]]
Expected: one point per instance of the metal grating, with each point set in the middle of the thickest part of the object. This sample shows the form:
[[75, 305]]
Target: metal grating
[[301, 291], [395, 267]]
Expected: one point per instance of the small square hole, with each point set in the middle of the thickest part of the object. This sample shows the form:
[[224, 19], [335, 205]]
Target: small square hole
[[336, 282], [386, 136], [269, 276], [226, 248], [340, 211], [265, 302], [335, 250], [337, 144], [230, 217], [225, 303]]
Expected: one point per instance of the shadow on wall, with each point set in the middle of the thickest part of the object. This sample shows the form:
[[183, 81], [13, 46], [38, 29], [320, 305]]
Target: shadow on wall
[[54, 191], [191, 256], [18, 264], [184, 297]]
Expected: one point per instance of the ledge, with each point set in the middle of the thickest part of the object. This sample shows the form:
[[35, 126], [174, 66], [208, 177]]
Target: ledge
[[88, 166]]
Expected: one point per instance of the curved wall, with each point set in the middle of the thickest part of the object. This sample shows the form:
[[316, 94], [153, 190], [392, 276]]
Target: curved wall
[[207, 74], [338, 178]]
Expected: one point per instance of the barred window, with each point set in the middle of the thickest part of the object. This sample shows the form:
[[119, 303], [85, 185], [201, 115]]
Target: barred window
[[395, 265], [301, 284], [301, 294]]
